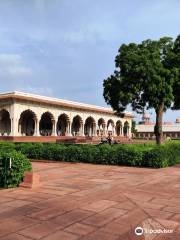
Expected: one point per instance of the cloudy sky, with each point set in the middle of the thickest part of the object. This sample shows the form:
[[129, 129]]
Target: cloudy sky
[[65, 48]]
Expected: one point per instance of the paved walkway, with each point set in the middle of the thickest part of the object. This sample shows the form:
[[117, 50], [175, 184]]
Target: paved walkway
[[93, 202]]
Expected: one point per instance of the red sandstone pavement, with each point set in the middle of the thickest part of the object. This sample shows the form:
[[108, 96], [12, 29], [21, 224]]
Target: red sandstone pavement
[[93, 202]]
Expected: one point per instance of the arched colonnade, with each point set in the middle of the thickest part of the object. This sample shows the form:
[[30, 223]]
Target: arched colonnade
[[29, 124]]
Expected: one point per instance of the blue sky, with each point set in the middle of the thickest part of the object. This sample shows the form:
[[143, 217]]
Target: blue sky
[[66, 48]]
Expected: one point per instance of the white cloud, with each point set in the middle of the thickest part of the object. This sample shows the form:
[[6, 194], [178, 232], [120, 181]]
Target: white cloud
[[13, 66], [10, 59]]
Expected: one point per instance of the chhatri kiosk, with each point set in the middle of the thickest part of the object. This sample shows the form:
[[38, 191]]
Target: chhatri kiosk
[[28, 117]]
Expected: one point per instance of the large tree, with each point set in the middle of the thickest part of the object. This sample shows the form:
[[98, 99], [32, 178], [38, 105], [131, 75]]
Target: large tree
[[147, 75]]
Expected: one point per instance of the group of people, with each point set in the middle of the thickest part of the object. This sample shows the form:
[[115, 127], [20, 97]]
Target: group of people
[[109, 139]]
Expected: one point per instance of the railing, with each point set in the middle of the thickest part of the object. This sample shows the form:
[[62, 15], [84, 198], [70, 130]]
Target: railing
[[5, 166]]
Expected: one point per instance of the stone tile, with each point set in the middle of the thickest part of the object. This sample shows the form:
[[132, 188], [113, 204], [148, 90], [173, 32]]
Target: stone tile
[[116, 228], [99, 206], [21, 211], [61, 235], [130, 235], [100, 236], [5, 199], [172, 209], [17, 203], [170, 202], [149, 205], [139, 196], [13, 225], [133, 218], [91, 202], [116, 197], [72, 217], [127, 205], [4, 209], [40, 230], [158, 213], [80, 229], [47, 214], [14, 236], [52, 191], [104, 217], [176, 218]]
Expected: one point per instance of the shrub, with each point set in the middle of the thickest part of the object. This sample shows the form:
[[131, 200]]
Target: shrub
[[31, 150], [73, 153], [156, 158], [6, 147], [129, 156], [142, 155], [20, 164], [104, 155], [88, 153], [173, 149]]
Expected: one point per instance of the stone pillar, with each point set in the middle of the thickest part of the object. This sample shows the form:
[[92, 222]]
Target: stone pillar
[[54, 128], [69, 129], [82, 129], [104, 129], [127, 131], [94, 129], [19, 129], [113, 130], [37, 133], [14, 127], [122, 130]]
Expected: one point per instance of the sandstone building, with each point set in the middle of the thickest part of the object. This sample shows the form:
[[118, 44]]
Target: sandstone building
[[145, 128], [29, 117]]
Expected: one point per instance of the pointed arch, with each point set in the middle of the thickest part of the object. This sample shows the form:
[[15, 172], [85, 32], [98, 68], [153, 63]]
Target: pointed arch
[[126, 129], [5, 122], [46, 124], [89, 126], [62, 125], [77, 125], [110, 127], [119, 128], [27, 123], [101, 127]]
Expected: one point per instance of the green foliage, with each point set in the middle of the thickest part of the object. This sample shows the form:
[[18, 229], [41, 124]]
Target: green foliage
[[142, 155], [31, 150], [173, 149], [147, 75], [156, 158], [20, 164], [6, 147]]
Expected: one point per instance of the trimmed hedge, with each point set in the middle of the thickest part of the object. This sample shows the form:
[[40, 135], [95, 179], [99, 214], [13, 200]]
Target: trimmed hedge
[[20, 164], [140, 155], [6, 147]]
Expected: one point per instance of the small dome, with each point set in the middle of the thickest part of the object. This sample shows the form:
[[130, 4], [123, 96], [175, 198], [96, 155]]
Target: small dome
[[177, 120]]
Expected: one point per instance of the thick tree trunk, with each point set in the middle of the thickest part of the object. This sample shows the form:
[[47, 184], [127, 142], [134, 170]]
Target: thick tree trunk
[[159, 122]]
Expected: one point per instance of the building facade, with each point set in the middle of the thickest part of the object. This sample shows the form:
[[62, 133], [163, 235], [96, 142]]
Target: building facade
[[145, 128], [25, 115]]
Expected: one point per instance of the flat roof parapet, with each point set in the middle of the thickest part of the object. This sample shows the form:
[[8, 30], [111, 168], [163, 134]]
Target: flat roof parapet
[[58, 102]]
